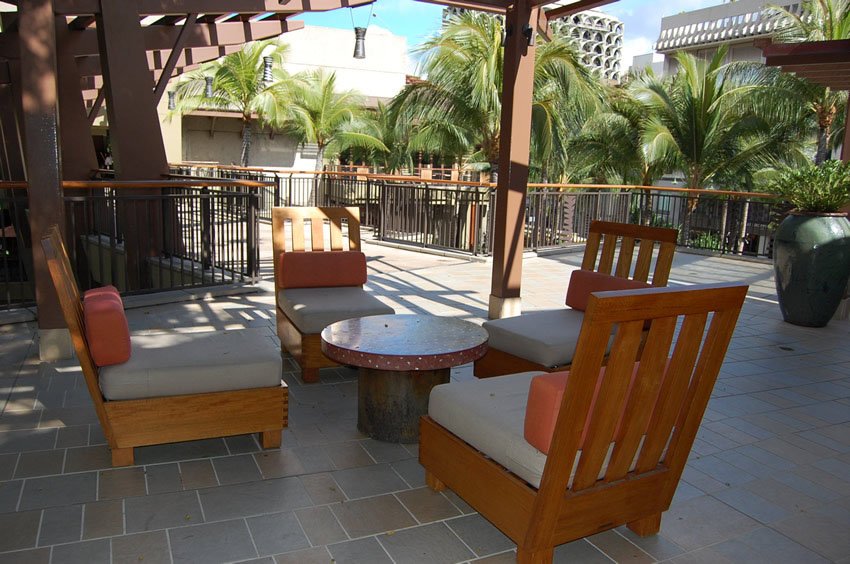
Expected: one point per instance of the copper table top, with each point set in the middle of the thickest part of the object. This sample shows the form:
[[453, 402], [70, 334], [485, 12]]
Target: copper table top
[[404, 342]]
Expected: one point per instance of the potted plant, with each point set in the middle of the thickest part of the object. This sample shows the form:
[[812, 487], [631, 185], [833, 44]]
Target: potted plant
[[811, 252]]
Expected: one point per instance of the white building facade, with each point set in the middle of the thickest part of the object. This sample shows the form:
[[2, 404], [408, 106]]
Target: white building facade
[[701, 32], [207, 136]]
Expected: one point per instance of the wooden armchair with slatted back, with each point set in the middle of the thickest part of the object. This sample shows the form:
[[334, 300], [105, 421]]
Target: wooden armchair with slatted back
[[622, 431], [203, 410], [531, 341], [319, 282]]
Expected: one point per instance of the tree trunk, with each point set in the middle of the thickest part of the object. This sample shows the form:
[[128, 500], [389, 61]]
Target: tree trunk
[[246, 142], [742, 235], [724, 216], [823, 138], [318, 183], [646, 208]]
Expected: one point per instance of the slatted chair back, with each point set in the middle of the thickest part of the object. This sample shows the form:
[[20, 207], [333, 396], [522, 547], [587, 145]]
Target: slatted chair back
[[290, 227], [640, 429], [604, 238], [71, 303]]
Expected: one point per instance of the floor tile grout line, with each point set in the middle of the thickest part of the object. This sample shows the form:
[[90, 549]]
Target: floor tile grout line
[[38, 530], [82, 522], [201, 507], [628, 540], [384, 548], [251, 536], [605, 554]]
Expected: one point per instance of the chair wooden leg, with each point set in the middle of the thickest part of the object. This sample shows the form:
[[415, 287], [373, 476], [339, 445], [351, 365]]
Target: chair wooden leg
[[271, 439], [122, 456], [310, 375], [531, 556], [647, 526], [433, 482]]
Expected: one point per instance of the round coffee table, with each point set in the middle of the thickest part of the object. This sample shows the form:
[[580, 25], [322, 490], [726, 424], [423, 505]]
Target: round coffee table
[[401, 357]]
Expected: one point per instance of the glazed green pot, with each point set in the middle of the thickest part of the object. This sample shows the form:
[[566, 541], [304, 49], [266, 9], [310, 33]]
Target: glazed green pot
[[811, 259]]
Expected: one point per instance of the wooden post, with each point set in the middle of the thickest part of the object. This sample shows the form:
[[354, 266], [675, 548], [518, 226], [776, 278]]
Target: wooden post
[[130, 106], [515, 135], [78, 156], [137, 145], [44, 165]]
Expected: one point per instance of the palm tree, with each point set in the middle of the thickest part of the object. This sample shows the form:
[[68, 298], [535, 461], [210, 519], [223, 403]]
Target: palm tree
[[330, 119], [459, 105], [610, 149], [818, 20], [250, 81], [707, 122]]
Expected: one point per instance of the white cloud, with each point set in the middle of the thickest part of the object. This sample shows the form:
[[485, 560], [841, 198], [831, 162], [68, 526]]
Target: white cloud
[[632, 46]]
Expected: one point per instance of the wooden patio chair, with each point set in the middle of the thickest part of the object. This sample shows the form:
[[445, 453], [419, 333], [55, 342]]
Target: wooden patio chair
[[620, 435], [241, 403], [317, 284], [546, 340]]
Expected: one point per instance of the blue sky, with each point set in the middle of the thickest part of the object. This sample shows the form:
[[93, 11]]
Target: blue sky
[[418, 20]]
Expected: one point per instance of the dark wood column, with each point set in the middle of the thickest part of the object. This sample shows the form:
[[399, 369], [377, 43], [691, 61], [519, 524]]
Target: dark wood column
[[515, 138], [137, 146], [845, 145], [10, 127], [44, 165], [78, 155]]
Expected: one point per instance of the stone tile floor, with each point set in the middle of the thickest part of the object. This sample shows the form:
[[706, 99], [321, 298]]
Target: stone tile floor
[[768, 479]]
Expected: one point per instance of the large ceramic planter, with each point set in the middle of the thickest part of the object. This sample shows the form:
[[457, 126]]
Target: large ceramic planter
[[811, 258]]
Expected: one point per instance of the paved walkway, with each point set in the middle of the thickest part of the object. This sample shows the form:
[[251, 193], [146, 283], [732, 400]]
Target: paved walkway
[[768, 479]]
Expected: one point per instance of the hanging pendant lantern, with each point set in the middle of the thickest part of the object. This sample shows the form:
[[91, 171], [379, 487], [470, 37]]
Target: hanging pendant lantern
[[359, 42], [208, 91], [172, 102], [267, 69]]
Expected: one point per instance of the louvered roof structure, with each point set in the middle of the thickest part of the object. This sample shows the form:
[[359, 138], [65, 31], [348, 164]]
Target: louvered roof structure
[[57, 54]]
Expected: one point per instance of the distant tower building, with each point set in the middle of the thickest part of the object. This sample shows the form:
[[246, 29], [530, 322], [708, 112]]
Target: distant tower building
[[598, 36]]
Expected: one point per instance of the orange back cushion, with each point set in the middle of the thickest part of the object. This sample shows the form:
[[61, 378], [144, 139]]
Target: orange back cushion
[[107, 332], [102, 291], [544, 404], [585, 282], [321, 269]]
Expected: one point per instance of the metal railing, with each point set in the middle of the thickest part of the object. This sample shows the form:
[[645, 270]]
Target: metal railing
[[146, 237], [17, 286], [455, 215]]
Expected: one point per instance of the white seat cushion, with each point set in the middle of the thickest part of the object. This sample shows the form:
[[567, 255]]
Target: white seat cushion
[[313, 309], [489, 414], [171, 364], [547, 337]]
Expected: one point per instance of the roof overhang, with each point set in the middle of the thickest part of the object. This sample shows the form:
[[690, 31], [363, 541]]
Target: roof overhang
[[824, 62]]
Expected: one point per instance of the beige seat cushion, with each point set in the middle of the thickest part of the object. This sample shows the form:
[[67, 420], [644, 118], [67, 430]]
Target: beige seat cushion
[[171, 364], [489, 414], [313, 309], [546, 337]]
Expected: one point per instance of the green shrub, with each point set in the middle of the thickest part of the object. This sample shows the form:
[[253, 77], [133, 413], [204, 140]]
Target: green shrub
[[818, 189]]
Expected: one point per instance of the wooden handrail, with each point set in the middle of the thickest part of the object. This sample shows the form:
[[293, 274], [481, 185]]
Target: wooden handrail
[[180, 183], [559, 186], [13, 185]]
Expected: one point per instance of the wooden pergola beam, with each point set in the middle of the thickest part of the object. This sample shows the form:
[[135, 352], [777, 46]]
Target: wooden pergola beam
[[182, 7], [176, 51], [806, 53], [489, 6], [163, 37], [570, 9]]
